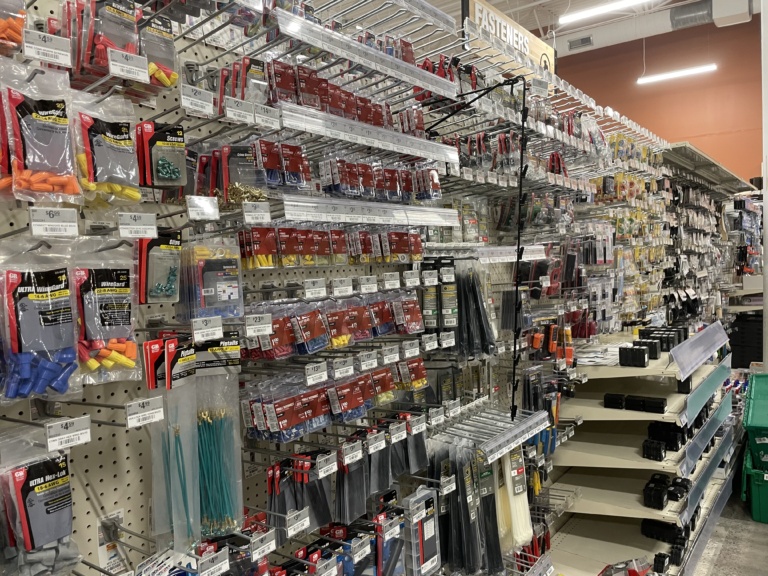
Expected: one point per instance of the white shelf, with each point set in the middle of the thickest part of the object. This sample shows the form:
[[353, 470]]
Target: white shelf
[[744, 308], [660, 367], [742, 292]]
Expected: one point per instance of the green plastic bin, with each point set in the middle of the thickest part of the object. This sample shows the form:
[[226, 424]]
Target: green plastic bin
[[754, 489], [756, 420]]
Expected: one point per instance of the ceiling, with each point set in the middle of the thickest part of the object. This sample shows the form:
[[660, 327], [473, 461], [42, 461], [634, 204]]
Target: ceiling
[[541, 16]]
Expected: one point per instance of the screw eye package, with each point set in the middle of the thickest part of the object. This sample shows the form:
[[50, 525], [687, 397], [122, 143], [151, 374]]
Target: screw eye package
[[106, 296], [105, 148], [39, 122], [39, 325]]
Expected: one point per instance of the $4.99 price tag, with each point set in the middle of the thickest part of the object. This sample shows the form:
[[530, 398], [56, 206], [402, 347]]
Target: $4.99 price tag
[[137, 225], [144, 411]]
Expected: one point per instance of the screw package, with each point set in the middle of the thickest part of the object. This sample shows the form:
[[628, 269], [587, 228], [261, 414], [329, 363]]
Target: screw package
[[212, 279], [159, 267]]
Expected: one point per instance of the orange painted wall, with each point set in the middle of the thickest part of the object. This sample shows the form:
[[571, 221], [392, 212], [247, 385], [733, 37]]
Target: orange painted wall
[[719, 112]]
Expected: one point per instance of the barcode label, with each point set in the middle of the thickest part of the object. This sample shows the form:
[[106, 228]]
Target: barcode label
[[238, 110], [197, 101], [47, 48], [297, 522], [258, 325], [56, 222], [391, 280], [137, 225], [256, 212], [205, 329], [129, 66], [202, 208], [67, 433], [327, 465], [215, 564], [263, 544], [144, 411]]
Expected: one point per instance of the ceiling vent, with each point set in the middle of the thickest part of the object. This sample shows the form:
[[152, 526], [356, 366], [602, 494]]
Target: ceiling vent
[[579, 43], [690, 15]]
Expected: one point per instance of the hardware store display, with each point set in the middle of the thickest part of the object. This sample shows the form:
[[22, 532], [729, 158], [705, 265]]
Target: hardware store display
[[370, 296]]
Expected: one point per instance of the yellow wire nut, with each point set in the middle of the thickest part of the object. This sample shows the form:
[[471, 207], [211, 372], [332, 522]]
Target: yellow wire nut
[[122, 360], [92, 364], [82, 163], [162, 78], [89, 186], [107, 363], [152, 68]]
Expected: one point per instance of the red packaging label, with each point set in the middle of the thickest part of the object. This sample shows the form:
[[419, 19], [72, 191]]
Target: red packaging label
[[390, 180], [366, 175], [377, 115], [351, 394], [406, 180], [322, 239], [364, 111], [339, 241], [305, 242], [292, 157], [338, 323], [398, 242], [269, 155], [323, 92], [289, 241], [284, 78], [336, 100], [282, 333], [358, 318], [415, 244], [264, 241], [309, 326], [309, 87], [383, 381], [350, 105], [313, 404], [289, 412], [366, 242], [381, 313]]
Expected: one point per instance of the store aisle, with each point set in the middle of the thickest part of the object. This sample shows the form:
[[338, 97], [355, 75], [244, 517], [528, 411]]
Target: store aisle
[[737, 546]]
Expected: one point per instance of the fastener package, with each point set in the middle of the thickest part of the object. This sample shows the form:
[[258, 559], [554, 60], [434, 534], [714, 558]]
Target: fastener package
[[105, 150], [159, 267], [40, 133], [14, 75], [39, 324], [106, 296], [213, 281], [12, 23]]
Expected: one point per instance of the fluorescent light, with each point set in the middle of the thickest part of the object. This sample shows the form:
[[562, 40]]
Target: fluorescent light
[[597, 10], [677, 74]]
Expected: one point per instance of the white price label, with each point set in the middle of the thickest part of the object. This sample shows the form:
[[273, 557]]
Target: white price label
[[411, 278], [214, 564], [436, 416], [351, 452], [47, 48], [128, 66], [144, 411], [429, 277], [197, 101], [202, 208], [448, 274], [343, 368], [447, 485], [391, 529], [360, 550], [53, 222], [428, 565], [266, 116], [205, 329], [501, 348], [397, 432], [326, 568], [418, 425], [315, 288], [467, 173], [258, 325], [137, 224], [341, 287], [390, 354], [327, 464], [544, 281], [391, 280], [367, 284], [367, 361], [492, 178], [447, 339], [429, 342], [238, 110], [64, 434], [316, 373], [410, 349], [548, 466], [297, 522], [550, 571], [376, 442], [256, 212], [452, 408], [263, 544]]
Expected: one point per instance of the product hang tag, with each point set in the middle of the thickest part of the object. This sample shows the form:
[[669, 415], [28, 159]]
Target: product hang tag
[[429, 342], [128, 66], [397, 432], [376, 442], [448, 274], [343, 367], [144, 411], [315, 288], [316, 373], [296, 522], [137, 224], [202, 208], [63, 434], [391, 280], [263, 544], [238, 110], [341, 287], [447, 484], [53, 222], [205, 329], [411, 278], [47, 48], [256, 212], [436, 416], [351, 452], [327, 464], [196, 102], [326, 567], [367, 284], [258, 325]]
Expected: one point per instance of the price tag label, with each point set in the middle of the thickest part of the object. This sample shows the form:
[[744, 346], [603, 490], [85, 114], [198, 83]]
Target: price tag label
[[205, 329], [480, 176], [411, 278], [64, 434], [454, 170], [144, 411], [397, 432], [238, 110], [448, 274], [467, 174], [391, 529], [436, 416], [367, 361], [343, 367], [391, 280], [351, 452], [327, 464], [266, 116], [258, 325], [492, 178], [256, 212], [341, 287], [296, 522], [390, 354], [548, 466], [452, 408], [447, 339], [376, 442], [326, 568], [53, 222], [47, 48], [545, 282], [410, 349], [202, 208], [137, 225], [316, 373], [128, 66], [315, 288], [214, 564], [196, 101], [360, 550], [418, 425], [550, 571], [263, 544], [447, 484], [429, 342], [368, 284], [429, 277]]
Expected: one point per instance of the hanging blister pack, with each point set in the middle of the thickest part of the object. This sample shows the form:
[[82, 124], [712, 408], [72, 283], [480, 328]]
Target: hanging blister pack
[[213, 270], [162, 149], [156, 44], [12, 24], [159, 267]]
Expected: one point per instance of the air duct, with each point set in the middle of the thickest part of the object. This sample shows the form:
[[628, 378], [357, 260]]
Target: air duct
[[690, 15]]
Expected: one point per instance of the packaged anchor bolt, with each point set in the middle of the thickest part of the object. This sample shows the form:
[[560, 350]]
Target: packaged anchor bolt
[[106, 296], [105, 148], [159, 267], [40, 137], [40, 325]]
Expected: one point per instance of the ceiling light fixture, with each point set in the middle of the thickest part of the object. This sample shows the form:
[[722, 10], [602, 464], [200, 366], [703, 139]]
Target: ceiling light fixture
[[677, 74], [598, 10]]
